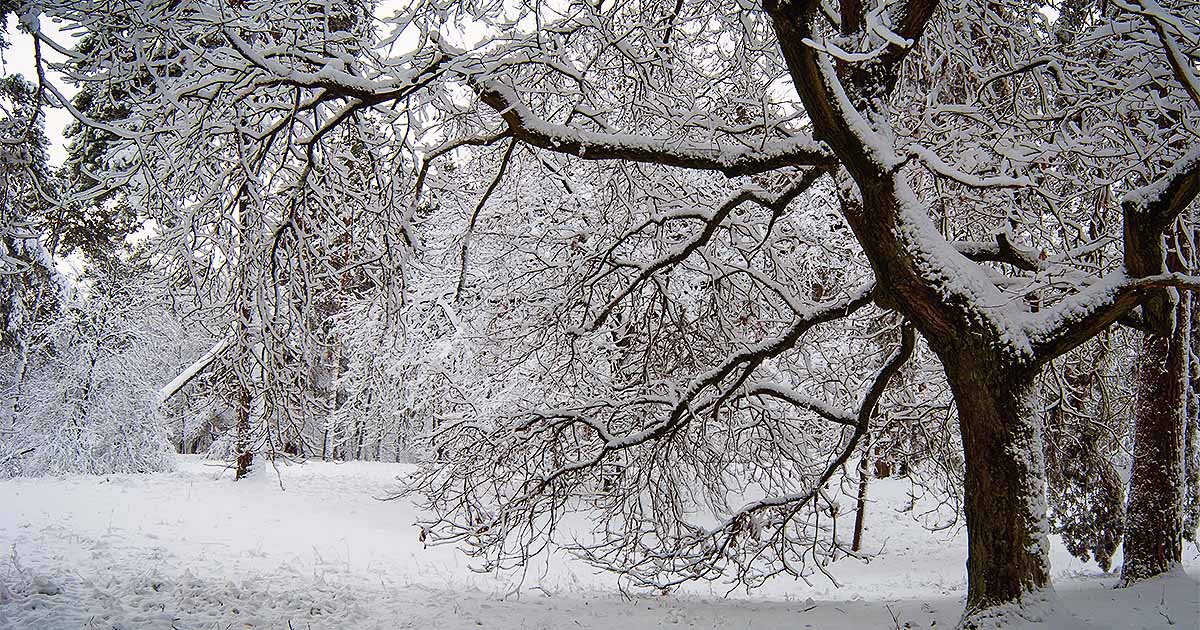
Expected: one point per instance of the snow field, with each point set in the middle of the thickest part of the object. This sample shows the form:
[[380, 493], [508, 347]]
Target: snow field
[[191, 550]]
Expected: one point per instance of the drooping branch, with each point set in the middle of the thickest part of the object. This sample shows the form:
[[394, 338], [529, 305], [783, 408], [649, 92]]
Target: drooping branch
[[719, 539], [752, 356], [807, 403], [429, 158], [606, 443], [186, 376], [464, 253]]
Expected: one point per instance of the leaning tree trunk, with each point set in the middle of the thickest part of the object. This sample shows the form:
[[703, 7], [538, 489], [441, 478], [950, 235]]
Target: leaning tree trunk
[[1154, 517], [1008, 560]]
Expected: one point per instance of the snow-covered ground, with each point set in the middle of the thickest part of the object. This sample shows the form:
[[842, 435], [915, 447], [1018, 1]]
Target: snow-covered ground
[[192, 550]]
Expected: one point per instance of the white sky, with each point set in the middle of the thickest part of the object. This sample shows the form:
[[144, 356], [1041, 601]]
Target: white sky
[[18, 59]]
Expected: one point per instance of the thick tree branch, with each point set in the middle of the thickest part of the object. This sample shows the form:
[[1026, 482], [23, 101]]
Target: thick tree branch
[[1154, 206], [913, 17], [1080, 317], [1002, 251], [732, 161]]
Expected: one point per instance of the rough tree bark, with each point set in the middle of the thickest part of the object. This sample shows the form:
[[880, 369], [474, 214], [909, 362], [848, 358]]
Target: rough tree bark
[[245, 454], [992, 349], [1154, 530], [1006, 520], [1005, 480], [990, 368], [1191, 465]]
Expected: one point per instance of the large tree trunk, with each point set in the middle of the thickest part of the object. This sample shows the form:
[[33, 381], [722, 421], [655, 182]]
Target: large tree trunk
[[1008, 560], [1155, 513], [1191, 464], [1154, 527]]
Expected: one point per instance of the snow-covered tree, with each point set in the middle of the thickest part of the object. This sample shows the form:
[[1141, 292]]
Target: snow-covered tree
[[654, 160], [1087, 409], [30, 286], [273, 224], [89, 400]]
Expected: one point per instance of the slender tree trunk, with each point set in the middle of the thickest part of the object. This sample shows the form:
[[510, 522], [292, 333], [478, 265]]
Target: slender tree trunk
[[245, 455], [1154, 523], [23, 347], [1191, 359], [244, 364], [1008, 560], [399, 441], [864, 474]]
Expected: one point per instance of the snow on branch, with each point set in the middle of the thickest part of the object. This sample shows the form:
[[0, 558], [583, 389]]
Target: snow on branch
[[333, 78], [796, 399], [1159, 202], [1182, 64], [601, 436], [1002, 250], [776, 203], [1080, 317], [186, 376], [861, 421], [695, 555], [940, 167], [748, 359], [732, 161]]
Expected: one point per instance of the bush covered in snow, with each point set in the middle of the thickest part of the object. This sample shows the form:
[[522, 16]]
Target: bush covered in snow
[[85, 400]]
